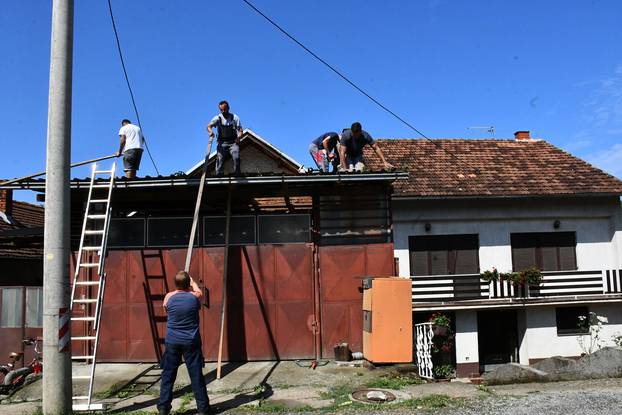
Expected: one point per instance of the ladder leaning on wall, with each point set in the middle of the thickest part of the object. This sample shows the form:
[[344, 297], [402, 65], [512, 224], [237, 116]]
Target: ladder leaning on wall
[[89, 282]]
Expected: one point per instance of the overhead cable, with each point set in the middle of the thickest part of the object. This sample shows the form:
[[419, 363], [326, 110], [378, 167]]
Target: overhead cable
[[127, 81], [355, 86]]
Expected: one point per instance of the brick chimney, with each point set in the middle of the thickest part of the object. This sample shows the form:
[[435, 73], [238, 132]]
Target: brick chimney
[[522, 136], [6, 201]]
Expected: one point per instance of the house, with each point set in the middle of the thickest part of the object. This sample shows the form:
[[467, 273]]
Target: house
[[21, 272], [474, 205], [300, 245]]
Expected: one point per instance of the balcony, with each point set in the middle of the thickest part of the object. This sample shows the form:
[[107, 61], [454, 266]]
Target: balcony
[[555, 284]]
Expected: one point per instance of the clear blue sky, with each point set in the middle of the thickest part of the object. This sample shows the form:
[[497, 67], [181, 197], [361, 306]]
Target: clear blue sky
[[552, 67]]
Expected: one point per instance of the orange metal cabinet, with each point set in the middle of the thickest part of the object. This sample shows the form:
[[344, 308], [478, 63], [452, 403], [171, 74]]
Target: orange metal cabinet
[[387, 320]]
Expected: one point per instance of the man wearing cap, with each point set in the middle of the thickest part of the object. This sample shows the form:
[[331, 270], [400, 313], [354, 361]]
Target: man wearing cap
[[351, 149], [131, 147], [228, 140]]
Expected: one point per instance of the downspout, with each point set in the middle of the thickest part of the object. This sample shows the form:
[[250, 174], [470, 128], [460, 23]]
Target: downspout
[[317, 305]]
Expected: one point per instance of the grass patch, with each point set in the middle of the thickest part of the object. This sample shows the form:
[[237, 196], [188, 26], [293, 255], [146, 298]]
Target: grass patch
[[186, 399], [338, 394], [485, 389], [430, 402], [274, 408], [394, 381]]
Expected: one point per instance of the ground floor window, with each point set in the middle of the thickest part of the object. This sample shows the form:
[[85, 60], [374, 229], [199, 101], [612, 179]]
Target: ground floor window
[[11, 311], [34, 307], [21, 303], [572, 320]]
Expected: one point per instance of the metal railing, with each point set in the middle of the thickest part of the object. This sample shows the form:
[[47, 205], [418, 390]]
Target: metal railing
[[443, 288]]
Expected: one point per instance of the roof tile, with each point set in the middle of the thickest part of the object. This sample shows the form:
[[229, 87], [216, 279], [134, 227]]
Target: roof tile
[[489, 167]]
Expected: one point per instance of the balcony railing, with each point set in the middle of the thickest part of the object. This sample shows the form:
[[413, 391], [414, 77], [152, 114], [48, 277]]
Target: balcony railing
[[441, 288]]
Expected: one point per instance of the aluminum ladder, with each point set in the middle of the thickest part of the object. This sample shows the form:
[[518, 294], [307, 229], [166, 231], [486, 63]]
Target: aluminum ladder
[[88, 290]]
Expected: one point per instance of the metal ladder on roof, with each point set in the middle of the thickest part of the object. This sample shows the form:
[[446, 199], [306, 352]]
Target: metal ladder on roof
[[89, 282]]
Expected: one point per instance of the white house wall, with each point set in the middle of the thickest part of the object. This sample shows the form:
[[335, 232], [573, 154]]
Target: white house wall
[[542, 338], [597, 225]]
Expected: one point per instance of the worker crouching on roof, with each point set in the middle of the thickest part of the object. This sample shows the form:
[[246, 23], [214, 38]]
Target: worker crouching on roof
[[351, 149], [323, 149], [131, 147], [228, 140], [183, 338]]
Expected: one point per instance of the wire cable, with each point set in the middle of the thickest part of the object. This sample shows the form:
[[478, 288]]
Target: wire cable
[[362, 91], [127, 81]]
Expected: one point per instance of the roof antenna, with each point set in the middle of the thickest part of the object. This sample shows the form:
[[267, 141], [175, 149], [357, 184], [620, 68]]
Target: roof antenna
[[488, 128]]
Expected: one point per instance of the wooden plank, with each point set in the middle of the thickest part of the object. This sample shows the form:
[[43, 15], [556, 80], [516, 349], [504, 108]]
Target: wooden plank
[[224, 285]]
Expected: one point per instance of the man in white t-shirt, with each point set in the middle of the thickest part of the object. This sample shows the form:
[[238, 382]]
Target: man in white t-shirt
[[131, 146]]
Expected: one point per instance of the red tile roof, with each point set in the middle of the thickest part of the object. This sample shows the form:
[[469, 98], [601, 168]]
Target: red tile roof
[[25, 215], [489, 168]]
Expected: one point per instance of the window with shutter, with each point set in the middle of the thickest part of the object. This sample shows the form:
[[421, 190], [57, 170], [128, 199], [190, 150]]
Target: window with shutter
[[444, 254], [548, 251]]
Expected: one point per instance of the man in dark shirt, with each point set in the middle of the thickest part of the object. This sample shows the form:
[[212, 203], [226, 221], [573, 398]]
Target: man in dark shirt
[[323, 149], [183, 338], [351, 149], [228, 140]]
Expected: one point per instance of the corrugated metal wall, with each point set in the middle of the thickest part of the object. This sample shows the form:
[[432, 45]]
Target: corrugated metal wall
[[270, 311]]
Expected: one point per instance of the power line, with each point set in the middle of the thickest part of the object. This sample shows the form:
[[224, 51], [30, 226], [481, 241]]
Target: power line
[[127, 81], [345, 78]]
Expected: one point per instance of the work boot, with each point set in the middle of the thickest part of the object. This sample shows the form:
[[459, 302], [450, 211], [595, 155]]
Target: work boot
[[163, 411]]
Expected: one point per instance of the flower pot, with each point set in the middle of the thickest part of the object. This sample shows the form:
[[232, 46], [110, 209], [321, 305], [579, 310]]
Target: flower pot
[[440, 330]]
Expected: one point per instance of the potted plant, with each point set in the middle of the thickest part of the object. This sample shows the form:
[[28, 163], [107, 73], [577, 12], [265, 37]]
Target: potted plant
[[441, 324], [444, 372]]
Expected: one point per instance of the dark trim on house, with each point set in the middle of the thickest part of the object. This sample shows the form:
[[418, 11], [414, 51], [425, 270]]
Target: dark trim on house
[[176, 181], [467, 370]]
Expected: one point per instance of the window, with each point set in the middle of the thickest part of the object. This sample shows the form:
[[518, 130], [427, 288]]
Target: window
[[241, 230], [169, 231], [572, 320], [12, 308], [34, 307], [444, 254], [126, 232], [548, 251], [283, 229]]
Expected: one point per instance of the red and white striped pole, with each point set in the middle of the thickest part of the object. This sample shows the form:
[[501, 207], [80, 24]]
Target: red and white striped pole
[[64, 335]]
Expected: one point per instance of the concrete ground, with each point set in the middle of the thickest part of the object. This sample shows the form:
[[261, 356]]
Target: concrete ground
[[268, 387]]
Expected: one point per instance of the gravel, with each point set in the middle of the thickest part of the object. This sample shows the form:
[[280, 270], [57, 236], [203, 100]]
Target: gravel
[[550, 403]]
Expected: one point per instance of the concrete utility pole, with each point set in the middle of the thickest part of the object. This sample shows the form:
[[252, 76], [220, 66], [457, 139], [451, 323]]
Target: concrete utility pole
[[57, 373]]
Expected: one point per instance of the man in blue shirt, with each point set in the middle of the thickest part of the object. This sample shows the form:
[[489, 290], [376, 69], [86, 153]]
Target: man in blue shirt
[[183, 338], [351, 149], [324, 148], [228, 140]]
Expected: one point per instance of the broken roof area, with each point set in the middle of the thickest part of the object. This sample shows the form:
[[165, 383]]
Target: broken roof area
[[258, 156], [490, 168], [23, 237]]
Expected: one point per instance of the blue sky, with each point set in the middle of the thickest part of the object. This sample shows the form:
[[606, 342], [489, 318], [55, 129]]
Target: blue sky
[[551, 67]]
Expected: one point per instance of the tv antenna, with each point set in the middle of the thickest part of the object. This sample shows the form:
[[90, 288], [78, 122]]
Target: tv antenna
[[488, 128]]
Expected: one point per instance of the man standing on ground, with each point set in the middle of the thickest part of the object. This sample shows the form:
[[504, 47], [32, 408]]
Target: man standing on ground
[[229, 134], [351, 149], [131, 147], [183, 339], [323, 149]]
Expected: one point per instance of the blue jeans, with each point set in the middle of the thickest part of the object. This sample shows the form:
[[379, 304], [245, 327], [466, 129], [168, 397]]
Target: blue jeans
[[221, 152], [193, 356]]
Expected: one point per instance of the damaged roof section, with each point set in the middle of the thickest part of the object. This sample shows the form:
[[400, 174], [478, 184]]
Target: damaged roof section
[[490, 168], [21, 228]]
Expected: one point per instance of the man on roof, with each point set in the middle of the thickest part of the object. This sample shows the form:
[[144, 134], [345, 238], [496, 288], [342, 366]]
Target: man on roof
[[228, 140], [323, 149], [351, 149], [131, 147]]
